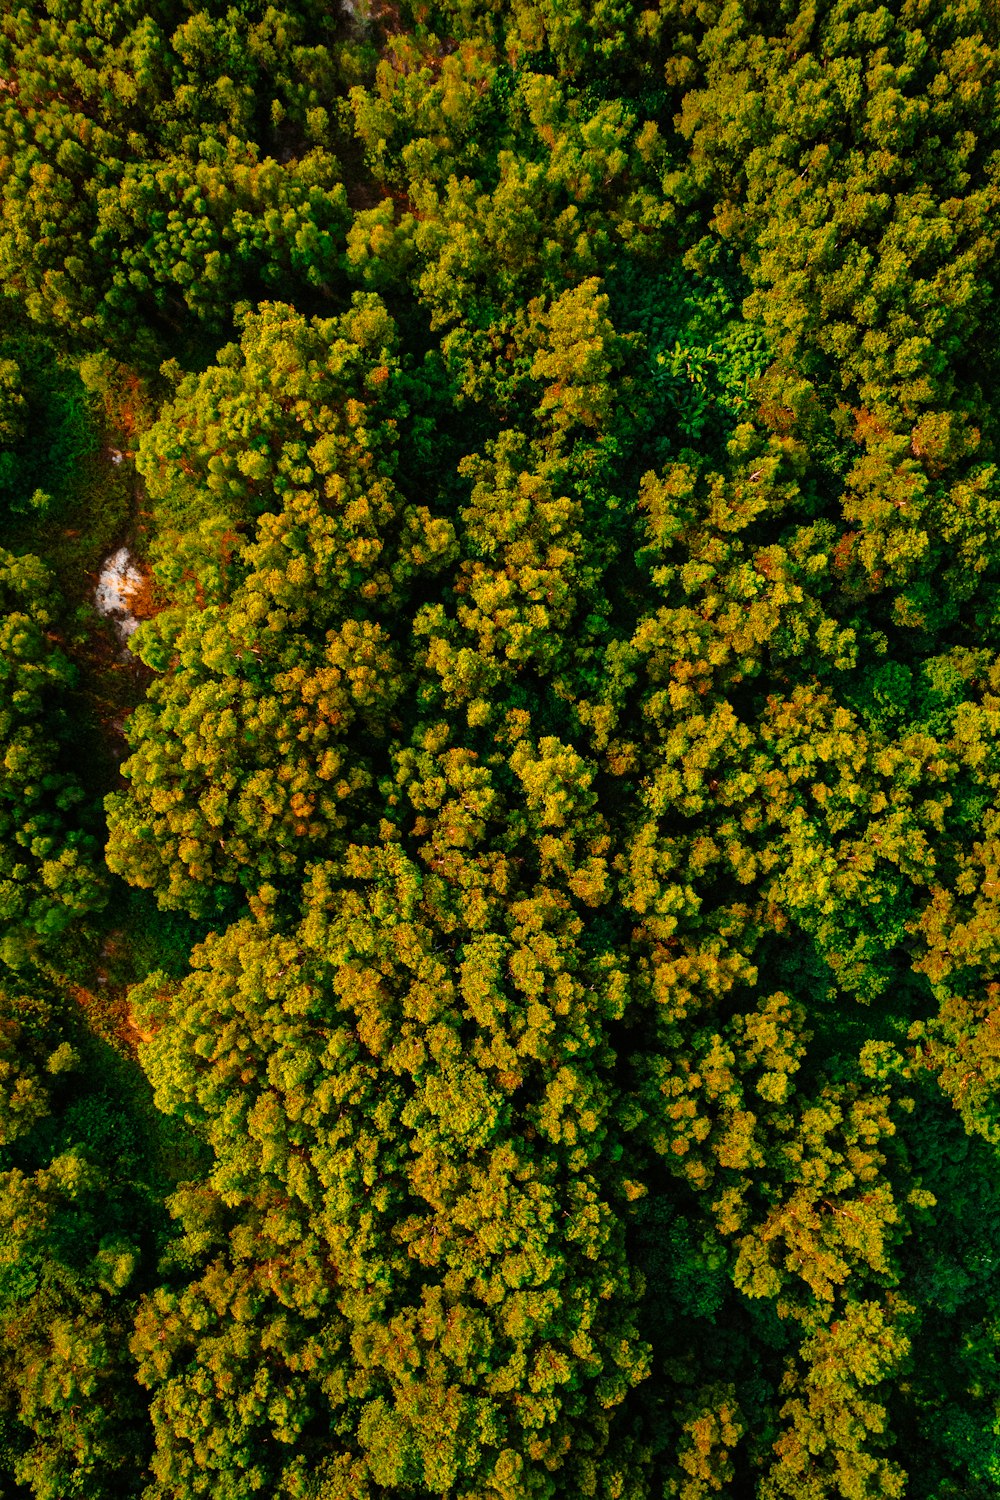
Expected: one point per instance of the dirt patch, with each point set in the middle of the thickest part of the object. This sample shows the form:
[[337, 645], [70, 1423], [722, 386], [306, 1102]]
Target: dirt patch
[[107, 1014]]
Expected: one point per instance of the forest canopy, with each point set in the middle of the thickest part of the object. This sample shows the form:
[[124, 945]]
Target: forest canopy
[[500, 971]]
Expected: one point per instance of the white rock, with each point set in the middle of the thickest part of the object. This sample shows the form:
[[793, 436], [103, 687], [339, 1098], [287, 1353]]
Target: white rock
[[113, 598]]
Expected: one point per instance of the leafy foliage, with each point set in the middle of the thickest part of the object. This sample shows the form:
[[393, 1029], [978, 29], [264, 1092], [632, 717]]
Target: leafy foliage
[[570, 691], [46, 852], [78, 1213]]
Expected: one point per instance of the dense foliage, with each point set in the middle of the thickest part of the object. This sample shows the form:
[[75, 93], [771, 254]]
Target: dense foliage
[[47, 845], [565, 752]]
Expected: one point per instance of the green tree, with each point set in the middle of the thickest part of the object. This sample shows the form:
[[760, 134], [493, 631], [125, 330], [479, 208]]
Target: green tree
[[47, 853], [254, 749], [78, 1211], [160, 164]]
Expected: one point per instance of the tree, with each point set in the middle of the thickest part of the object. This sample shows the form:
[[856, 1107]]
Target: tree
[[78, 1184], [47, 869], [159, 166], [256, 746]]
